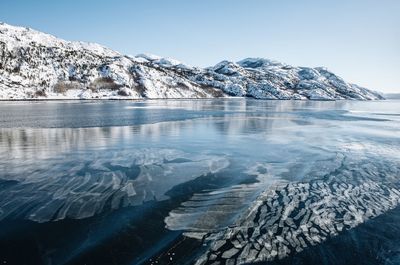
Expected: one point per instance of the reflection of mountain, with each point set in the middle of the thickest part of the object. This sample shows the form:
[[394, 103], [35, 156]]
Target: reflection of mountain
[[228, 117], [32, 143], [336, 163], [78, 172], [141, 122], [271, 131]]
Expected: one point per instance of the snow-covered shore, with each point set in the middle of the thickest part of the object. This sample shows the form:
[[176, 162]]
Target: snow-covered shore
[[35, 65]]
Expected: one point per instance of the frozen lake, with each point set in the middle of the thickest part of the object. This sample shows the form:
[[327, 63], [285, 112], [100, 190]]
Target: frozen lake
[[231, 181]]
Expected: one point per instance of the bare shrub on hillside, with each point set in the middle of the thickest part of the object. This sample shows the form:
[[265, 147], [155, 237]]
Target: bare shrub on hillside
[[104, 83], [64, 86], [40, 93]]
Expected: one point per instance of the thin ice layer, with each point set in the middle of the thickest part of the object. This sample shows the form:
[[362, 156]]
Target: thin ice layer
[[104, 182]]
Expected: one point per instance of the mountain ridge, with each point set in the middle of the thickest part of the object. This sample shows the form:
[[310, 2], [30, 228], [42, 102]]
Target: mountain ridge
[[36, 65]]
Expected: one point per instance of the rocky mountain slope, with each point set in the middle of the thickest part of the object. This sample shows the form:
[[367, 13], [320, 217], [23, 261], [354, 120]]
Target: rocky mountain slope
[[35, 65]]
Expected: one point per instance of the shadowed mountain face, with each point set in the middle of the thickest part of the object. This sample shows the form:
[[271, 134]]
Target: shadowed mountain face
[[37, 65]]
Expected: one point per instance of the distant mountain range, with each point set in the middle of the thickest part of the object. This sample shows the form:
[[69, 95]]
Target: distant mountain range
[[392, 95], [35, 65]]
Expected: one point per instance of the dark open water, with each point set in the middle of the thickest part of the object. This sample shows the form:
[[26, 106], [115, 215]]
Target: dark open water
[[225, 181]]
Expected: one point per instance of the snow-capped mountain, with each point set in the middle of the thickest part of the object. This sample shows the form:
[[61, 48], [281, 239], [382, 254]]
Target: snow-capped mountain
[[37, 65]]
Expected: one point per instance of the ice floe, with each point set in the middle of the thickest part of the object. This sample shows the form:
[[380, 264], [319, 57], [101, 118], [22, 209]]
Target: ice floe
[[290, 217]]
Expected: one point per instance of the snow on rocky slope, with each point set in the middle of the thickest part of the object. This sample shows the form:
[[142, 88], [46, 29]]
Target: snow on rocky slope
[[35, 65]]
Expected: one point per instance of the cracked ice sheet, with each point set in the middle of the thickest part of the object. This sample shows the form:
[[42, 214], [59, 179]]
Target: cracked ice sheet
[[289, 217], [82, 189], [213, 210]]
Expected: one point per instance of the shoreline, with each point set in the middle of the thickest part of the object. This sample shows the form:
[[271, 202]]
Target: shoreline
[[194, 99]]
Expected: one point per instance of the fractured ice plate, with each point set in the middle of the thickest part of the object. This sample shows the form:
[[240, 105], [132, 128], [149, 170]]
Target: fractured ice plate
[[99, 182], [289, 217]]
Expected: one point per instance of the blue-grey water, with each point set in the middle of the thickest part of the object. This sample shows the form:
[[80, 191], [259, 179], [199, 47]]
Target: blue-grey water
[[224, 181]]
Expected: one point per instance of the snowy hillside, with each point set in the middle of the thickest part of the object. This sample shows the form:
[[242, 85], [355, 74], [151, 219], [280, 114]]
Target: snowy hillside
[[35, 65]]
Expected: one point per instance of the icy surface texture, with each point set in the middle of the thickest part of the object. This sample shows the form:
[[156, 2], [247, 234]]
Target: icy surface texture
[[97, 183], [290, 217], [216, 209]]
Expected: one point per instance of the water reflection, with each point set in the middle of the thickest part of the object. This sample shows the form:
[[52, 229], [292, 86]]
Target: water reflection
[[198, 165], [22, 132]]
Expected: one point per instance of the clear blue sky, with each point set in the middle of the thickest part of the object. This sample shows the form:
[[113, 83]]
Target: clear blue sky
[[357, 39]]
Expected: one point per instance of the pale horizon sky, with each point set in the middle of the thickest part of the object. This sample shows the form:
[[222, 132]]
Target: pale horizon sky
[[357, 39]]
